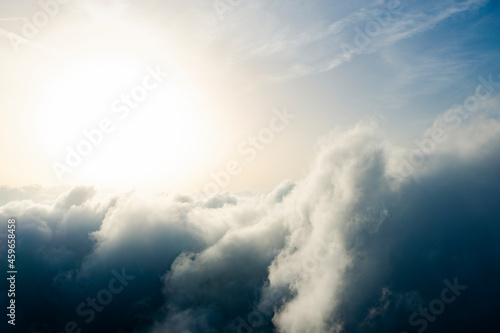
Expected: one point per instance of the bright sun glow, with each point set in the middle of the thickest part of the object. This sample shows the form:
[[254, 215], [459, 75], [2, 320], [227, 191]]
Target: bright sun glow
[[113, 123]]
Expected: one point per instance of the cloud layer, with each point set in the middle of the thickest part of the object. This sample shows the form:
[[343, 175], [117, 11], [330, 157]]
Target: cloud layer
[[352, 247]]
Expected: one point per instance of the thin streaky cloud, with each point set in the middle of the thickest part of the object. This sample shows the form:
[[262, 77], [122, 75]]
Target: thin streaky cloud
[[402, 28]]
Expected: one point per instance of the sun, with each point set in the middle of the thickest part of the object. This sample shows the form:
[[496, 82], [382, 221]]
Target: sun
[[119, 122]]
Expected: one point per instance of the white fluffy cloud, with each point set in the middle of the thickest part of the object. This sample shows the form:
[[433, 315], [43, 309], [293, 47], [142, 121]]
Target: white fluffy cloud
[[342, 250]]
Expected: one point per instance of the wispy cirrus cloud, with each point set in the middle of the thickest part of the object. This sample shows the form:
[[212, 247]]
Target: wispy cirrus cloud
[[282, 44], [402, 22]]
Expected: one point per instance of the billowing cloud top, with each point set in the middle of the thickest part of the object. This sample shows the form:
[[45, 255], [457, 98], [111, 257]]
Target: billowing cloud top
[[376, 238]]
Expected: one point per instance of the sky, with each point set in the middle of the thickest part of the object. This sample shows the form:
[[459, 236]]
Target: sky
[[251, 166], [228, 68]]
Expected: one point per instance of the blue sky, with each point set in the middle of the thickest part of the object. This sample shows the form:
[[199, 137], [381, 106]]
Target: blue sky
[[243, 61]]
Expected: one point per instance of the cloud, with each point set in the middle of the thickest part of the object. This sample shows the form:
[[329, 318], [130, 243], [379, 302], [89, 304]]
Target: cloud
[[338, 251], [303, 42]]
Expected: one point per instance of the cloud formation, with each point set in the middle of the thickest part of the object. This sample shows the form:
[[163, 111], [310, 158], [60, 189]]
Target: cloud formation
[[341, 250], [305, 40]]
